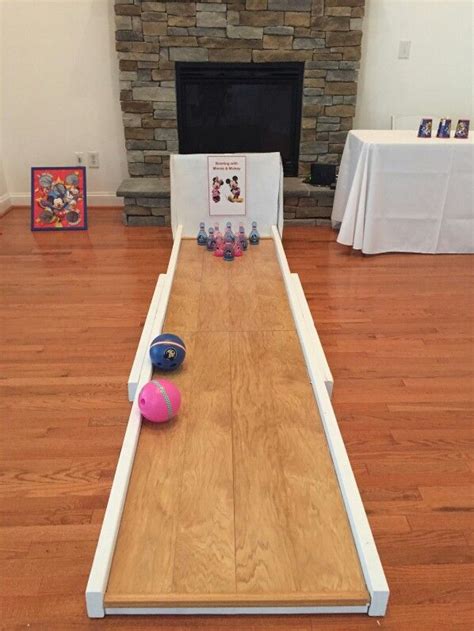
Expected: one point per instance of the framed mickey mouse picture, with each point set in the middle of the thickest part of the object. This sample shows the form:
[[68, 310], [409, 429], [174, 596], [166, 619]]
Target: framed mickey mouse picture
[[58, 198]]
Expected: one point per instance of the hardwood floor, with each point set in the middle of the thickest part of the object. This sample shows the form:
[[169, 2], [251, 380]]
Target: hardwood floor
[[398, 334]]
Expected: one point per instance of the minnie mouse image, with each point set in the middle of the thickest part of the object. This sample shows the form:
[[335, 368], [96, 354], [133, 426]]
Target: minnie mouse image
[[234, 190], [216, 189]]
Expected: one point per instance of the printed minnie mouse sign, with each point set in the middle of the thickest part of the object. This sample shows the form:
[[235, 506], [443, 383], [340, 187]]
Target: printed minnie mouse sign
[[227, 184], [58, 198]]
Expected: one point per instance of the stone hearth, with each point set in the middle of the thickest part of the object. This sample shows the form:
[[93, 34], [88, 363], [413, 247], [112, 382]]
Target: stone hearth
[[151, 36], [147, 202]]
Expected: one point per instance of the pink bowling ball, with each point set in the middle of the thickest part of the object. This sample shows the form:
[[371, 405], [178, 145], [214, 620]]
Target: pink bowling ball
[[159, 400]]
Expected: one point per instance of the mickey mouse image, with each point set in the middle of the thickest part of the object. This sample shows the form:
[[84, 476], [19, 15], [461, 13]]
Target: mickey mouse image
[[54, 200], [234, 189]]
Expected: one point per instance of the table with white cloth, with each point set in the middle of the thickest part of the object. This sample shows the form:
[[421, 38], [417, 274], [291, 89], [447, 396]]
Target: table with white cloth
[[400, 193]]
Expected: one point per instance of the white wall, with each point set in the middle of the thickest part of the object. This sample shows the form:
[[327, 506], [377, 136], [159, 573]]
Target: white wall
[[4, 197], [60, 92], [437, 79]]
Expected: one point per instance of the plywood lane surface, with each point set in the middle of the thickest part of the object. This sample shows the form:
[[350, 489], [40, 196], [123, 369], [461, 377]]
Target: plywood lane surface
[[236, 501]]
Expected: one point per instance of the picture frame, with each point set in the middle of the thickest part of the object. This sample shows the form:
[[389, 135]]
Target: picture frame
[[58, 198], [425, 128], [462, 128], [227, 185], [444, 128]]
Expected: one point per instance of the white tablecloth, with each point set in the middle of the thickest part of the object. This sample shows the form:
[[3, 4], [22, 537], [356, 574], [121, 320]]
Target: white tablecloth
[[400, 193]]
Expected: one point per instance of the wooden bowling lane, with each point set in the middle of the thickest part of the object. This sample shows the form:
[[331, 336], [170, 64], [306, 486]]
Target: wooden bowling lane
[[210, 294], [235, 502]]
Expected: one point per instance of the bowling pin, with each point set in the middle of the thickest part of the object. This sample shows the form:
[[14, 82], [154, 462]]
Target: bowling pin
[[211, 240], [254, 236], [218, 234], [229, 235], [202, 236], [228, 251], [238, 248], [242, 237]]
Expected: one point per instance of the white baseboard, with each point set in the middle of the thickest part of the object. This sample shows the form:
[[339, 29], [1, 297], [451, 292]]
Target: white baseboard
[[98, 198], [5, 203]]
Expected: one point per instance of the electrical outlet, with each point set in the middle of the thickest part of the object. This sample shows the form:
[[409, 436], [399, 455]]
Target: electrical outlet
[[93, 159], [79, 158], [404, 50]]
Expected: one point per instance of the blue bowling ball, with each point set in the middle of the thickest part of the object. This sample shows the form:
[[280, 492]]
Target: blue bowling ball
[[167, 352]]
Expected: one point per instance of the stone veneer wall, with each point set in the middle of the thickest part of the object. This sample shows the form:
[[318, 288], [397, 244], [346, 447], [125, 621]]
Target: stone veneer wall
[[151, 36]]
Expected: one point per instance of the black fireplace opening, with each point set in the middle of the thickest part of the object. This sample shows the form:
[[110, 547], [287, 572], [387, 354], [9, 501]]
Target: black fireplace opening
[[240, 107]]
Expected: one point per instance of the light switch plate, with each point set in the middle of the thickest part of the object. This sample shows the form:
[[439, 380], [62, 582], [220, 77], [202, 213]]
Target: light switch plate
[[93, 157], [404, 50]]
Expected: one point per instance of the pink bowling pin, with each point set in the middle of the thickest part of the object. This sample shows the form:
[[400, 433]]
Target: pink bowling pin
[[237, 248]]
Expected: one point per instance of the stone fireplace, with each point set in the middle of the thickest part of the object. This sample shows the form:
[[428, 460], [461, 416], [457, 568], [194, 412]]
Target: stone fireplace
[[323, 37]]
